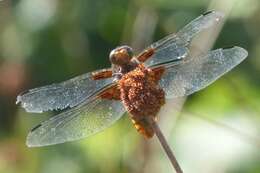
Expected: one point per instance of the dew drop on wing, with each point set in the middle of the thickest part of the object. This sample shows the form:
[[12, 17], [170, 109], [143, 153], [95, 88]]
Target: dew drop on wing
[[52, 101]]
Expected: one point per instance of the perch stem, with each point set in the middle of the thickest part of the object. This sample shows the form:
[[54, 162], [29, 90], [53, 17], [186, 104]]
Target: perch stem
[[165, 146]]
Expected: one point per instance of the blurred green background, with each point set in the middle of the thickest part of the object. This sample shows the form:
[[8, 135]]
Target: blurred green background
[[46, 41]]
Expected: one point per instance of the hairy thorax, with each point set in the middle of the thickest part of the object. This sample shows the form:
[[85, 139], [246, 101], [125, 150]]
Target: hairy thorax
[[142, 97]]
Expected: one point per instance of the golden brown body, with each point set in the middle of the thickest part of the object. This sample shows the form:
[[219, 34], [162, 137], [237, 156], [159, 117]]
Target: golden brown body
[[137, 87], [142, 97]]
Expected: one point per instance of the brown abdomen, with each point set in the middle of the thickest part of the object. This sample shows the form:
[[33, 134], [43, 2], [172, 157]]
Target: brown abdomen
[[142, 97]]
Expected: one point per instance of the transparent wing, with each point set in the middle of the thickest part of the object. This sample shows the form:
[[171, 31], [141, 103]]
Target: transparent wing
[[197, 73], [61, 95], [175, 46], [77, 123]]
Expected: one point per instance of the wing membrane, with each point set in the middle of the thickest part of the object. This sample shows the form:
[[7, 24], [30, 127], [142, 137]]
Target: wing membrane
[[175, 46], [61, 95], [197, 73], [77, 123]]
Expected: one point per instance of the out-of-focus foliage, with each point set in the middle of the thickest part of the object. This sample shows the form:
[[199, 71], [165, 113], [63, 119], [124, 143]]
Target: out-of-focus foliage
[[46, 41]]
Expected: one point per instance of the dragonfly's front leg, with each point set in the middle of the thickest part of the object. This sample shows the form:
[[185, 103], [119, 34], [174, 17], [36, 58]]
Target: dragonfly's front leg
[[145, 55], [112, 93], [107, 73]]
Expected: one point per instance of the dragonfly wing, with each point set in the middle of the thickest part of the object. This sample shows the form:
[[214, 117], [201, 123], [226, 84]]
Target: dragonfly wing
[[61, 95], [199, 24], [77, 123], [175, 46], [199, 72]]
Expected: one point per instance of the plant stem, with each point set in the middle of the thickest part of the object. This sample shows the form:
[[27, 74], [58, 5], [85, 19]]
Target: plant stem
[[165, 146]]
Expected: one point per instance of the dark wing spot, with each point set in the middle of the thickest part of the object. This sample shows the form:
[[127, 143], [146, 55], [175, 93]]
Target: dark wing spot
[[36, 127], [228, 47], [206, 13]]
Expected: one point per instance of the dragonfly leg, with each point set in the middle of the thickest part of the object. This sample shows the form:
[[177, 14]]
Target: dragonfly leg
[[158, 71], [112, 93], [145, 55], [102, 74]]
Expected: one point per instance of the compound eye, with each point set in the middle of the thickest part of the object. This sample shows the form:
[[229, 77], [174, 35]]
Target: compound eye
[[130, 52], [121, 55], [112, 56]]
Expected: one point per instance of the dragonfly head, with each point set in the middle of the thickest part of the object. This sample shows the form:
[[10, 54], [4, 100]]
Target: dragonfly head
[[121, 55]]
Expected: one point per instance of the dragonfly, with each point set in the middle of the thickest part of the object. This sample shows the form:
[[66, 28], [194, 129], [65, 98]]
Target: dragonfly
[[137, 84]]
